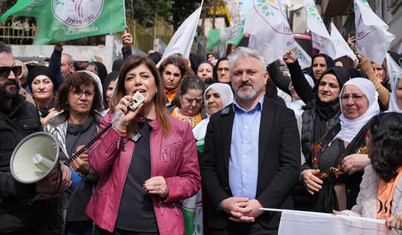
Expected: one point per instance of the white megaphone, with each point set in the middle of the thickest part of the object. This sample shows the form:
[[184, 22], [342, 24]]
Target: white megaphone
[[35, 157]]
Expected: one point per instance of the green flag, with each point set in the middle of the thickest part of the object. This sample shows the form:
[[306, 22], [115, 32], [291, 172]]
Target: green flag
[[64, 20], [229, 35]]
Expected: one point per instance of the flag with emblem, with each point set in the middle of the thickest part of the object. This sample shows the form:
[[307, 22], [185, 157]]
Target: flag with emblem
[[63, 20], [321, 38], [302, 56], [269, 29]]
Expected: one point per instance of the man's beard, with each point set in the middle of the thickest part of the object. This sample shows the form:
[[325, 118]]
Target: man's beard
[[11, 92], [246, 94]]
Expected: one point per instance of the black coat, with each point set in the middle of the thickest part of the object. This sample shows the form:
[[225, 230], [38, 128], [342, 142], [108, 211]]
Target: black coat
[[278, 168], [15, 211]]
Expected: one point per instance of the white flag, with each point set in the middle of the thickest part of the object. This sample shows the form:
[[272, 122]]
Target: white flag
[[302, 56], [341, 46], [393, 70], [183, 38], [372, 37], [321, 38], [269, 29]]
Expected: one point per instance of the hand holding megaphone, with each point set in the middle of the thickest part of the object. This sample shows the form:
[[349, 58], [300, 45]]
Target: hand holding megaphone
[[80, 164], [48, 185], [36, 160]]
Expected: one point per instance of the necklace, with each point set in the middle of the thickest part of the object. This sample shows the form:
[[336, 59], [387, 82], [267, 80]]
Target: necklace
[[40, 112], [193, 121]]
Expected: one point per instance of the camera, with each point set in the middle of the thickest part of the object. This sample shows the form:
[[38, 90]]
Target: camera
[[137, 100]]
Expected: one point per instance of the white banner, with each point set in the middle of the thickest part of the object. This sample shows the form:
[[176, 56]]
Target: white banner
[[269, 29], [372, 37], [308, 223]]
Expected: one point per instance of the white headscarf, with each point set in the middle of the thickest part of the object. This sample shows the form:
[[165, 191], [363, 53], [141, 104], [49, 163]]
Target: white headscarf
[[100, 88], [393, 105], [350, 127], [224, 91], [96, 78], [226, 94]]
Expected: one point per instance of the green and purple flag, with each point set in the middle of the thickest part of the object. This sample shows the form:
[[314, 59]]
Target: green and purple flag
[[64, 20]]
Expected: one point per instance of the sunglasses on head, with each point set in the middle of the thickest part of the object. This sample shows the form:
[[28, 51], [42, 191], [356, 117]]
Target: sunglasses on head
[[5, 71]]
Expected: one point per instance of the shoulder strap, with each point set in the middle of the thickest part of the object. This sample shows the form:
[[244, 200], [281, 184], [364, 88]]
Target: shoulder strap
[[18, 128]]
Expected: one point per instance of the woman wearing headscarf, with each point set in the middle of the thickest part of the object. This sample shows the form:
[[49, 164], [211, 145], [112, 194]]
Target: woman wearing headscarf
[[42, 82], [395, 102], [216, 97], [333, 171], [322, 108]]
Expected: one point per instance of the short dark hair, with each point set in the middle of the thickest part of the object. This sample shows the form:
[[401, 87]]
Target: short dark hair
[[75, 81], [386, 138], [5, 48], [177, 61], [189, 82], [216, 67]]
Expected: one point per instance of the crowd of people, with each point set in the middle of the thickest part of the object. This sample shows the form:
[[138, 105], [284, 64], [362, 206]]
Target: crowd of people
[[222, 137]]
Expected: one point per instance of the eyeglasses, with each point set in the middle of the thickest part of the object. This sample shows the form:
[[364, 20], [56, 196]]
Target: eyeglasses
[[355, 98], [78, 93], [5, 71], [221, 69]]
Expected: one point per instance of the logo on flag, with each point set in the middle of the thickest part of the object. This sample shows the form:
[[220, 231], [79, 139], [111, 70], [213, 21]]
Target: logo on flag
[[268, 12], [303, 58], [80, 13], [269, 29], [63, 20], [312, 11]]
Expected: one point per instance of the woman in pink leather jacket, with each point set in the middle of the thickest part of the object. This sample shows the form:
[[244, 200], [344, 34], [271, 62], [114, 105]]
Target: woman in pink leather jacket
[[148, 159]]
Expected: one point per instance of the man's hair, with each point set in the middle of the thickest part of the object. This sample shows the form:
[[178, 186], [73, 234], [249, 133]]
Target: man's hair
[[5, 48], [70, 58], [245, 52]]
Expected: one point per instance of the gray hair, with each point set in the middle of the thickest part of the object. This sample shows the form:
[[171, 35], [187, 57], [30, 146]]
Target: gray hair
[[5, 48], [70, 58], [246, 52]]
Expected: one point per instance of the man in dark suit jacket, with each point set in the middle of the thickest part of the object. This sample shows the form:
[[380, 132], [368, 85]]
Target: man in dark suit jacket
[[252, 154]]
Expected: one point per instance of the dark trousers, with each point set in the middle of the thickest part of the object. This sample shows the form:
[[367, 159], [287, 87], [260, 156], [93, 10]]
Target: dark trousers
[[99, 231], [235, 228]]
